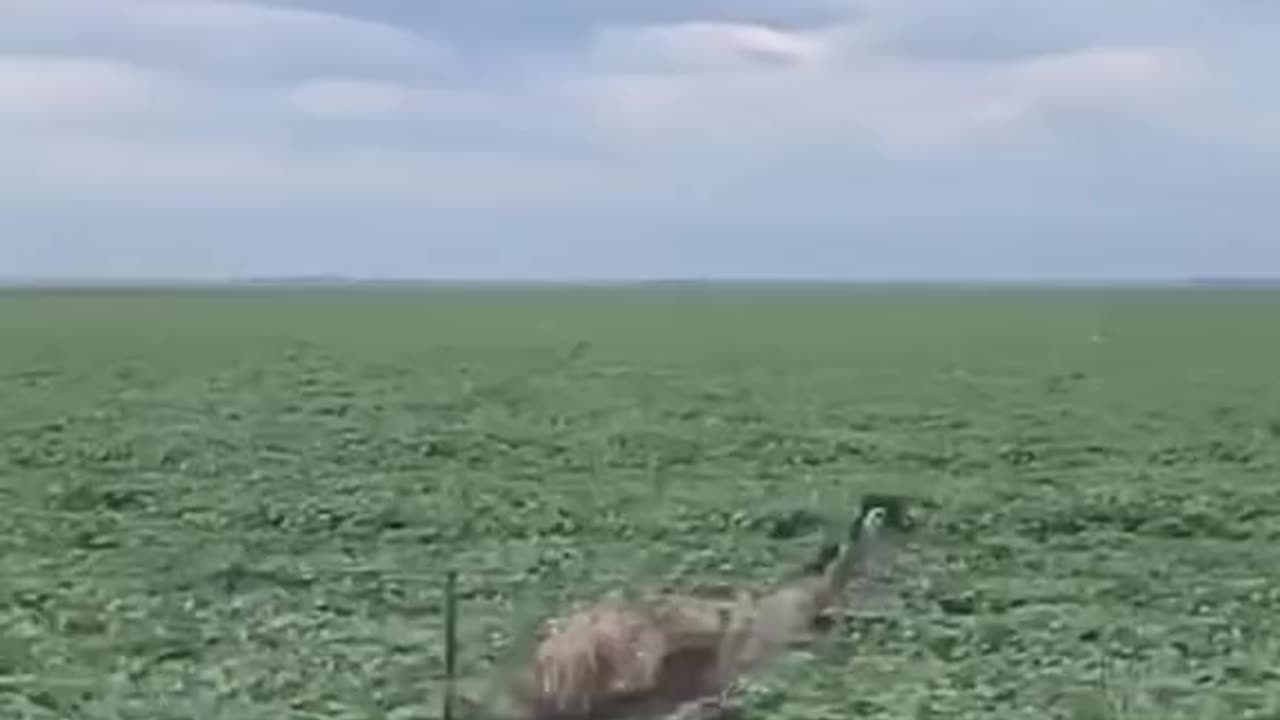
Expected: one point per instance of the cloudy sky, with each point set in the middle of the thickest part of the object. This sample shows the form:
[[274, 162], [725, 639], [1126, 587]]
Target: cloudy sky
[[640, 138]]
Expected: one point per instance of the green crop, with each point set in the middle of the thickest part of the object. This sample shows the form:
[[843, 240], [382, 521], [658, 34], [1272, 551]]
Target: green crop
[[241, 505]]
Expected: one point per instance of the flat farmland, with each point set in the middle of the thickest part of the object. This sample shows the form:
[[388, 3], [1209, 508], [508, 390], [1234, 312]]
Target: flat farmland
[[239, 505]]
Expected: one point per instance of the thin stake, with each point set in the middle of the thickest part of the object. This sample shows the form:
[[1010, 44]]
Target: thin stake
[[450, 641]]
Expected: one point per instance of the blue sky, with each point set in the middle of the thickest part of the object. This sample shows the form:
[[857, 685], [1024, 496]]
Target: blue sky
[[640, 138]]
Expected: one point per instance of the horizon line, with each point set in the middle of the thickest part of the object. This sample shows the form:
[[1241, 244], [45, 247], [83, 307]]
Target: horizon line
[[323, 280]]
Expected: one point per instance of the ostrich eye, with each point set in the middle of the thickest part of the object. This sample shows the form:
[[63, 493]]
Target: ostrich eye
[[876, 517]]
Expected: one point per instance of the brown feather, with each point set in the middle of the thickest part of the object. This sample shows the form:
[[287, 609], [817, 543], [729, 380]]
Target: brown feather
[[629, 659]]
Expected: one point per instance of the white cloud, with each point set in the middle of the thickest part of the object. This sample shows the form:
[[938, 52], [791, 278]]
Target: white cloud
[[884, 109], [838, 91], [1121, 79], [247, 40], [694, 46], [68, 85], [339, 97]]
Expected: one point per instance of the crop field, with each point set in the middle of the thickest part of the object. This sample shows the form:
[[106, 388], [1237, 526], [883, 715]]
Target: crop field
[[240, 505]]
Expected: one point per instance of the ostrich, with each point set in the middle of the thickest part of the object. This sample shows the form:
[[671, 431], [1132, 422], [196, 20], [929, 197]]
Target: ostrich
[[680, 654]]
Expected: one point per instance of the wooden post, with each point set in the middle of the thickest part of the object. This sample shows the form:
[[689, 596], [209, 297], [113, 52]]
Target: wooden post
[[450, 642]]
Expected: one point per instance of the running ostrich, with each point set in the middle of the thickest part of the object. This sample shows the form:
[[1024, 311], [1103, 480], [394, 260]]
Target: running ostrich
[[678, 655]]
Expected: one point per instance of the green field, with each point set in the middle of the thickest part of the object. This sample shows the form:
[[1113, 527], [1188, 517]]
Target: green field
[[238, 506]]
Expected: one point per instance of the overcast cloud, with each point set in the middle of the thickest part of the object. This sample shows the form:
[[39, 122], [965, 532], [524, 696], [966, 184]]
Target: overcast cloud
[[625, 138]]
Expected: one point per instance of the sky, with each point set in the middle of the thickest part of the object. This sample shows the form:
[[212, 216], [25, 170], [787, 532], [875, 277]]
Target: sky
[[625, 139]]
